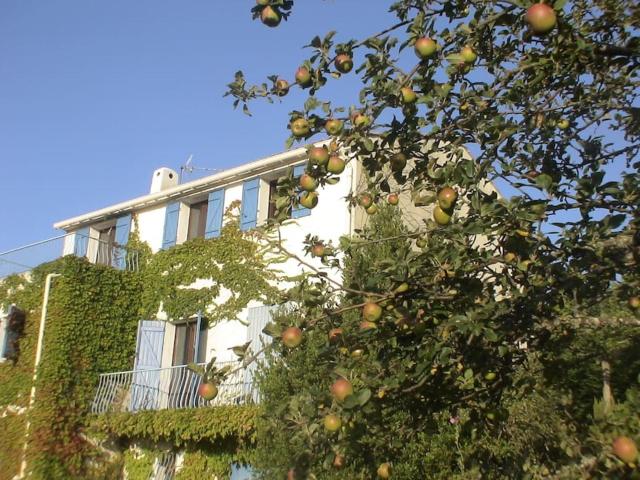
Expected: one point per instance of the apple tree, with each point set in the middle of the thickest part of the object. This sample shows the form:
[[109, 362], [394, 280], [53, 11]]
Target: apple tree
[[445, 335]]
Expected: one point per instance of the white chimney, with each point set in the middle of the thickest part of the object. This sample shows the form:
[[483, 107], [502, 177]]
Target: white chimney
[[163, 178]]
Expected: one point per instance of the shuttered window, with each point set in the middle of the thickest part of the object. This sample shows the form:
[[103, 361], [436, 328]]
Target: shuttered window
[[249, 213], [215, 211], [171, 217]]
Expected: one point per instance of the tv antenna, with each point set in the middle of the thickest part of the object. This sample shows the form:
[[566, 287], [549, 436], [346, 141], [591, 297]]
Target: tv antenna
[[188, 167]]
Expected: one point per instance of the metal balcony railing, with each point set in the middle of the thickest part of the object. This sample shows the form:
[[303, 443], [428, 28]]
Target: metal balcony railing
[[168, 388], [27, 257]]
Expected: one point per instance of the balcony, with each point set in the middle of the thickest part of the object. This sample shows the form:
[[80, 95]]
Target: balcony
[[27, 257], [168, 388]]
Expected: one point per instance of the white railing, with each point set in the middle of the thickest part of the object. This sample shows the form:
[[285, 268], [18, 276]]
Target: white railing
[[168, 388]]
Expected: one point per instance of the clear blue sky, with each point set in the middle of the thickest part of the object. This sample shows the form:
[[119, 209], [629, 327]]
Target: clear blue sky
[[95, 95]]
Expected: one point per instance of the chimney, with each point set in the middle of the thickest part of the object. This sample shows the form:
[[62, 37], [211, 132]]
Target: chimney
[[163, 178]]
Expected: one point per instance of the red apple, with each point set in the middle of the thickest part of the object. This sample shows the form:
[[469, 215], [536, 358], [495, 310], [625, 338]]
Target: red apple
[[270, 16], [625, 449], [317, 250], [425, 47], [308, 183], [303, 77], [336, 164], [384, 471], [393, 199], [319, 155], [338, 461], [541, 18], [344, 63], [366, 325], [365, 200], [208, 390], [341, 389], [634, 303], [335, 334], [447, 197], [292, 337], [300, 127], [309, 199]]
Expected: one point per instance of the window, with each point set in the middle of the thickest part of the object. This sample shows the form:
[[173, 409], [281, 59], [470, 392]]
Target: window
[[12, 329], [106, 239], [190, 344], [197, 220], [273, 195]]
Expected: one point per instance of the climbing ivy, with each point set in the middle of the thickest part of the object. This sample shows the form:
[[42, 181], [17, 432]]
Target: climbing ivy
[[138, 463]]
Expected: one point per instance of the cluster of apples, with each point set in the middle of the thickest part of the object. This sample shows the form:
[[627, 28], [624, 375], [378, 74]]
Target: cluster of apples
[[443, 211]]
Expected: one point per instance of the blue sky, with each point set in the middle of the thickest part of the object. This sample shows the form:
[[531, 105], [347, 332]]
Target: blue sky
[[95, 95]]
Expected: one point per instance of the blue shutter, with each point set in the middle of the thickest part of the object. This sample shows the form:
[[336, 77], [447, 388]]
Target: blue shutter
[[258, 318], [299, 211], [119, 252], [215, 209], [171, 216], [81, 242], [145, 388], [249, 215]]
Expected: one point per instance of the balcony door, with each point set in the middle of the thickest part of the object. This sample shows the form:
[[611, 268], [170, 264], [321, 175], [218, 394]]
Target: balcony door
[[146, 384], [189, 346]]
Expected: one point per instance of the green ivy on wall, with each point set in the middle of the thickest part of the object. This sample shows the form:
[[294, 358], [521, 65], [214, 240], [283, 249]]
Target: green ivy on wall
[[138, 463]]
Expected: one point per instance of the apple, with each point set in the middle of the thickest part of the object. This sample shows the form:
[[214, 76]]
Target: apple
[[408, 95], [291, 474], [421, 242], [303, 77], [309, 199], [336, 164], [468, 55], [282, 87], [208, 390], [270, 16], [332, 423], [403, 287], [308, 183], [335, 334], [333, 126], [365, 200], [541, 18], [338, 461], [341, 389], [398, 162], [490, 376], [393, 199], [372, 210], [344, 63], [357, 353], [425, 47], [292, 337], [366, 325], [263, 2], [509, 257], [440, 216], [447, 198], [319, 155], [360, 120], [563, 124], [384, 470], [625, 449], [300, 127], [371, 311], [634, 303], [317, 250]]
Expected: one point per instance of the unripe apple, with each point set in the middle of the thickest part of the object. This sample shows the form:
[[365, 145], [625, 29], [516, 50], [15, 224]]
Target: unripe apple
[[371, 311], [490, 376], [208, 390], [384, 471], [341, 389], [300, 127], [319, 155], [563, 124], [403, 287], [308, 183], [335, 334], [421, 243], [318, 250], [303, 77], [425, 47], [468, 55], [393, 199], [625, 449], [336, 164], [344, 63], [541, 18], [440, 216], [357, 353], [332, 423], [408, 95], [282, 87], [292, 337], [509, 257], [447, 197], [309, 199], [634, 303], [270, 16], [365, 200], [372, 210], [398, 162], [360, 120], [262, 2], [334, 126]]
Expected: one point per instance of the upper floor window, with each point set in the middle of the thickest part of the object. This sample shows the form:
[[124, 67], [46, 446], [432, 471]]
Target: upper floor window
[[197, 220]]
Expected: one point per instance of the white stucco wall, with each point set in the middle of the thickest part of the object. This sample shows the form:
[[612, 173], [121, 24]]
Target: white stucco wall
[[150, 225]]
